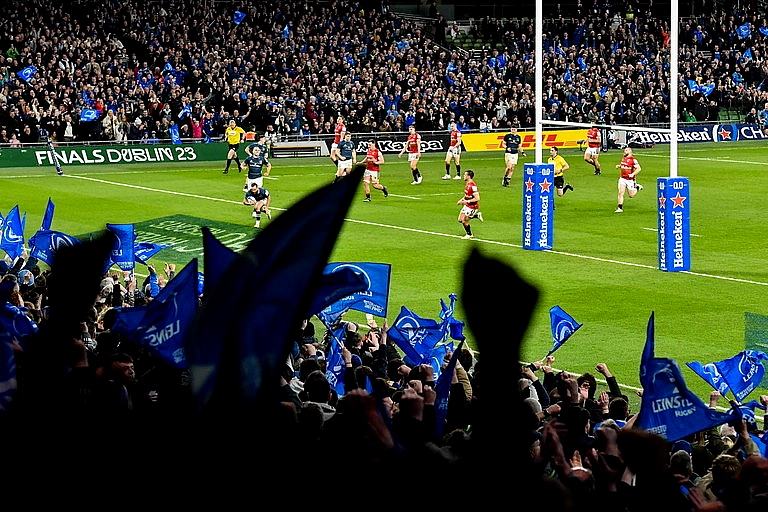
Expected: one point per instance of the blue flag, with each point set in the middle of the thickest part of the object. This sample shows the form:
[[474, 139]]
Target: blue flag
[[245, 330], [374, 299], [563, 327], [582, 63], [743, 31], [436, 357], [161, 325], [45, 243], [567, 77], [442, 391], [122, 252], [710, 374], [12, 239], [693, 86], [707, 89], [48, 217], [742, 372], [174, 132], [238, 17], [414, 335], [748, 54], [668, 408], [142, 251], [764, 31], [185, 111], [28, 73], [89, 114], [334, 369], [453, 326]]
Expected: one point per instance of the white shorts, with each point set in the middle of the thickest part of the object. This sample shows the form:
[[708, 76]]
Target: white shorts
[[630, 184], [413, 157], [371, 176], [511, 158], [468, 212], [592, 151], [453, 151], [249, 181], [345, 164]]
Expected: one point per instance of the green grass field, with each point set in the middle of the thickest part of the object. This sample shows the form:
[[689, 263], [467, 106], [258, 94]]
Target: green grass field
[[602, 270]]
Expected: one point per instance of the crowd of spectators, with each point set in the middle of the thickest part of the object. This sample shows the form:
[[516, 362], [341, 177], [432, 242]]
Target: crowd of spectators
[[296, 66], [525, 429]]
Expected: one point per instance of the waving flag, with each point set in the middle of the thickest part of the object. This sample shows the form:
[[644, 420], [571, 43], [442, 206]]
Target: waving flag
[[454, 327], [45, 243], [28, 73], [743, 31], [122, 252], [238, 17], [764, 31], [186, 110], [48, 216], [563, 327], [693, 86], [12, 239], [416, 336], [707, 89], [567, 77], [335, 366], [442, 391], [742, 372], [245, 330], [582, 63], [161, 325], [668, 408], [748, 54], [374, 299], [142, 251], [89, 114], [710, 374], [174, 132]]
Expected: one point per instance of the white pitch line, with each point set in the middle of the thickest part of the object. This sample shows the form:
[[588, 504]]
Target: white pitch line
[[656, 229], [435, 233]]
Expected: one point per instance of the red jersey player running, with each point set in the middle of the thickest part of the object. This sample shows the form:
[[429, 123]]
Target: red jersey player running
[[470, 208], [594, 141], [373, 160], [413, 145], [338, 134], [630, 167]]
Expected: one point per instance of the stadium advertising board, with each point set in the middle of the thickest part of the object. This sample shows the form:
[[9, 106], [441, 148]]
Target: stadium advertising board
[[430, 142], [710, 133], [674, 224], [572, 138]]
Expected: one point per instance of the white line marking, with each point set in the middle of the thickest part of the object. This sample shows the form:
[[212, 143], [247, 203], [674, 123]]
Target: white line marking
[[434, 233], [656, 229]]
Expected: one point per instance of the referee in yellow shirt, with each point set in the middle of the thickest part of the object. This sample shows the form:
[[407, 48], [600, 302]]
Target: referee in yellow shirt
[[234, 135], [560, 166]]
